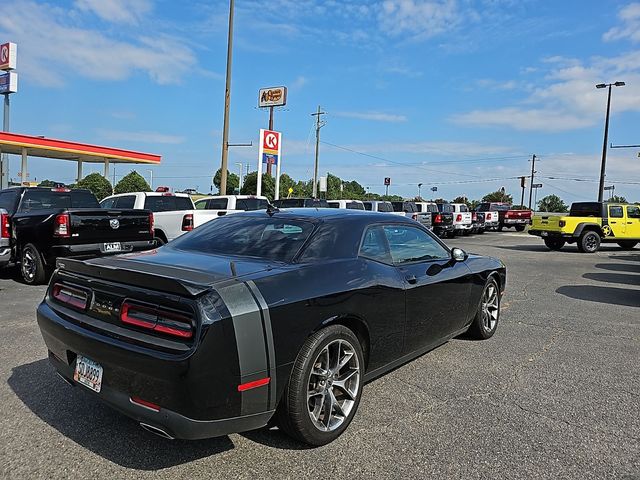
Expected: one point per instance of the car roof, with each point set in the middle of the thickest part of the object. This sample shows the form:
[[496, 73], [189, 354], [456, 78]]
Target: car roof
[[330, 214]]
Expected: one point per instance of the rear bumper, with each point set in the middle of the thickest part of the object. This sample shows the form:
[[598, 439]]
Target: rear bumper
[[179, 384], [462, 226], [550, 234], [442, 228], [5, 256], [95, 249], [516, 221]]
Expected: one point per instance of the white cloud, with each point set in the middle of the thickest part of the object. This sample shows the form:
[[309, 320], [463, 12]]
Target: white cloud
[[299, 82], [522, 119], [630, 28], [373, 116], [422, 19], [117, 11], [140, 137], [50, 44]]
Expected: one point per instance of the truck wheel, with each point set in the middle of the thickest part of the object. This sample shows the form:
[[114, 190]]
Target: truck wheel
[[589, 242], [554, 243], [520, 228], [32, 266], [627, 244], [499, 228], [486, 320], [325, 387]]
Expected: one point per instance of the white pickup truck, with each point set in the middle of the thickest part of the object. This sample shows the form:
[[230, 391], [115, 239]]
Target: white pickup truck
[[173, 213], [462, 218], [227, 204]]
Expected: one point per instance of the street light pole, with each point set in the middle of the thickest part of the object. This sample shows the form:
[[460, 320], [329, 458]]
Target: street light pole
[[227, 103], [606, 137]]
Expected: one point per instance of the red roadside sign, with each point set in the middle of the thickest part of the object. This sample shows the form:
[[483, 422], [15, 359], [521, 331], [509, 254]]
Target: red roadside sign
[[271, 141]]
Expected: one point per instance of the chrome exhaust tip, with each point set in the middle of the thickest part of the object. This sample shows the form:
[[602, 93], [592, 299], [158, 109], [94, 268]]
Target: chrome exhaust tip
[[156, 431]]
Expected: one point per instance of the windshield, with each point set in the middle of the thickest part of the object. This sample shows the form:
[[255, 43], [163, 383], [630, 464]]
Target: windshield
[[41, 199], [241, 235], [445, 207]]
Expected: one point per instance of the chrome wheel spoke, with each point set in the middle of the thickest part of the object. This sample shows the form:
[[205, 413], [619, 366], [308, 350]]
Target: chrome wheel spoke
[[328, 404]]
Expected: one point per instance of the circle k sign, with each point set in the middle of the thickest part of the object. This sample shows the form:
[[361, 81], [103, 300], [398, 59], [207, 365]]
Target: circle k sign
[[271, 140]]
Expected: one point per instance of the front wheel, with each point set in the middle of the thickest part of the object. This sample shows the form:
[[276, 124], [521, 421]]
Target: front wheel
[[589, 242], [485, 322], [325, 387], [32, 266], [627, 244]]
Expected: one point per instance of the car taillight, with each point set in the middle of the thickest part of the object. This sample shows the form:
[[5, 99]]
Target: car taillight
[[415, 216], [562, 223], [151, 224], [62, 226], [187, 222], [458, 218], [156, 319], [437, 218], [69, 295], [474, 216], [507, 215], [5, 226]]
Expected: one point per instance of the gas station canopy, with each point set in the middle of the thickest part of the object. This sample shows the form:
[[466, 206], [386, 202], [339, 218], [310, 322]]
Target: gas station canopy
[[16, 144]]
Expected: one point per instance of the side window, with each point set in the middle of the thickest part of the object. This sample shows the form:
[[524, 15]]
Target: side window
[[334, 205], [201, 204], [8, 200], [126, 202], [368, 206], [374, 245], [218, 203], [108, 203], [616, 211], [410, 244], [633, 211]]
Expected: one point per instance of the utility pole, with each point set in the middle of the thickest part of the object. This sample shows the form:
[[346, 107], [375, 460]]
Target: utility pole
[[319, 125], [533, 172], [227, 103], [522, 184]]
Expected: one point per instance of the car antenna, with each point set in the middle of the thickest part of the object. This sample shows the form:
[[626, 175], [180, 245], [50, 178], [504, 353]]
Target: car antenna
[[271, 209]]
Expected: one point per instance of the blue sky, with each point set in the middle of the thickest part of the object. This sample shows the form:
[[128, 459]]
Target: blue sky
[[433, 92]]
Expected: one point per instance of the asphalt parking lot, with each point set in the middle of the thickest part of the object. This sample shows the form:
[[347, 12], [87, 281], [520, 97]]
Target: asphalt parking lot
[[554, 394]]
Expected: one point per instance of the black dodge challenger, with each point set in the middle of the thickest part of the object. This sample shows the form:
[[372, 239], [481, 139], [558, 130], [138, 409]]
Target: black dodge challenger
[[281, 315]]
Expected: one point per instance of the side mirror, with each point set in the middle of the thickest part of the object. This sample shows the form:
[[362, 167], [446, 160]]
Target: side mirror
[[459, 255]]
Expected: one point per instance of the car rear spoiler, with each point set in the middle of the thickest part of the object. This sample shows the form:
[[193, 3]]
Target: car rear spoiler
[[129, 273]]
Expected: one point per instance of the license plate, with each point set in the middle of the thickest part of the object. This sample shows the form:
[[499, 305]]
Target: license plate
[[112, 247], [88, 373]]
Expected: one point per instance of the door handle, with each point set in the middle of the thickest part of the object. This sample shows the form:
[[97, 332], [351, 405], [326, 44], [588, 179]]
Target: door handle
[[629, 223], [412, 279], [613, 222]]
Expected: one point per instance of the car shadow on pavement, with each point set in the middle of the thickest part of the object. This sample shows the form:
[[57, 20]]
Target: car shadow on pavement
[[96, 427], [631, 258], [535, 248], [595, 293], [622, 278], [619, 267], [275, 438]]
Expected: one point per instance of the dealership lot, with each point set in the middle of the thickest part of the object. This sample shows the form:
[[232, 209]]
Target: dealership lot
[[554, 394]]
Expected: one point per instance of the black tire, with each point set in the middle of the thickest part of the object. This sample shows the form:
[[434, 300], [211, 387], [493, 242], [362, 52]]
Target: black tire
[[520, 228], [483, 327], [32, 267], [499, 228], [158, 242], [293, 413], [589, 242], [627, 244], [554, 243]]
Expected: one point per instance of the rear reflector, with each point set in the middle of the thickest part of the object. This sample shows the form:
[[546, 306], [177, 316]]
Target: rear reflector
[[143, 403], [4, 226], [254, 384], [187, 222], [62, 226], [151, 224], [69, 296], [437, 218], [458, 218], [156, 319]]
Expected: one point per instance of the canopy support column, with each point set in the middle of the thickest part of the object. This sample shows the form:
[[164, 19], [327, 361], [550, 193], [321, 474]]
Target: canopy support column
[[106, 168], [79, 177], [24, 175]]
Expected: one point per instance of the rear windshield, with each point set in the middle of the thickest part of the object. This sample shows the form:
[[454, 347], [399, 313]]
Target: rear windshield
[[240, 235], [34, 200], [586, 209], [249, 204], [385, 207], [167, 203], [464, 208], [404, 207], [445, 207], [355, 206]]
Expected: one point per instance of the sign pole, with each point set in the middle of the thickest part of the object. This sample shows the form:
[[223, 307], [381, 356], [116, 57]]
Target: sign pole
[[4, 159], [278, 166], [260, 155], [270, 128]]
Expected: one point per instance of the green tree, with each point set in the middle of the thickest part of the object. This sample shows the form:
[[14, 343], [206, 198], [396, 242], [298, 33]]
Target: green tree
[[286, 182], [498, 196], [233, 181], [552, 203], [48, 183], [391, 198], [461, 199], [132, 182], [250, 185], [97, 184], [473, 204], [617, 199]]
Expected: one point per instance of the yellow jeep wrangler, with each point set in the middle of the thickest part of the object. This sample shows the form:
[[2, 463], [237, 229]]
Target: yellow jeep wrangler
[[588, 225]]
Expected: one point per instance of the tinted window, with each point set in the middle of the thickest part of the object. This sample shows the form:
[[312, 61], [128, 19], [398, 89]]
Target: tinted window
[[334, 205], [586, 209], [368, 206], [201, 204], [445, 207], [385, 207], [633, 212], [397, 206], [410, 244], [374, 245], [184, 203], [127, 201], [355, 206], [419, 207], [167, 203], [8, 200], [464, 208], [249, 204], [218, 203], [34, 200], [616, 212], [107, 203], [239, 235], [289, 203], [432, 208], [410, 207]]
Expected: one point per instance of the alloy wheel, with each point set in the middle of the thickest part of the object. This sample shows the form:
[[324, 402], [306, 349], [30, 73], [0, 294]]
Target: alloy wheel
[[333, 386], [28, 265], [490, 307]]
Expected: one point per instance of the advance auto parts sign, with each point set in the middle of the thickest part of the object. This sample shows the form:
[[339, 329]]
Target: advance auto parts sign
[[272, 97]]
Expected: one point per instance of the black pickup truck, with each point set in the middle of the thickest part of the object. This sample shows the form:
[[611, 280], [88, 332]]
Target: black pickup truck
[[442, 222], [43, 224]]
